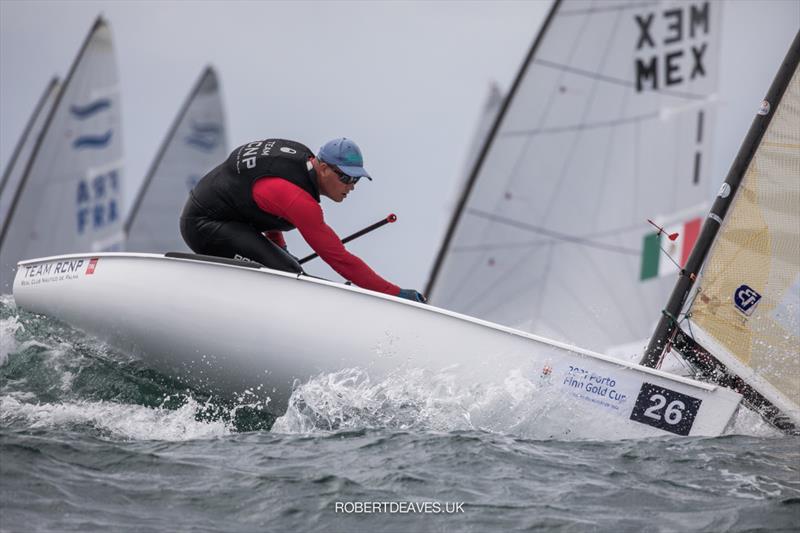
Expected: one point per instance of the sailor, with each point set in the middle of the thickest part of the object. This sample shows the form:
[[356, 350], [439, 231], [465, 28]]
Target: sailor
[[241, 208]]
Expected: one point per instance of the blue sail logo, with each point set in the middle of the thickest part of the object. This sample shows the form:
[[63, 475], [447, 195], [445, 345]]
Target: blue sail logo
[[92, 141], [205, 136], [90, 109], [84, 112], [745, 299]]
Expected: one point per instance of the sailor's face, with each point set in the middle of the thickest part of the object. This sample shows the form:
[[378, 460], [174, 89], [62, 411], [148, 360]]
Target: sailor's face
[[331, 186]]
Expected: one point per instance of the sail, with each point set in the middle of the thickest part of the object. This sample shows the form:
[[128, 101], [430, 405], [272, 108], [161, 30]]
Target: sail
[[195, 144], [19, 159], [746, 311], [489, 110], [606, 126], [70, 192]]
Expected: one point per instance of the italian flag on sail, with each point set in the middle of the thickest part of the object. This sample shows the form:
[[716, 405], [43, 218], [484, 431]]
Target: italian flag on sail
[[657, 263]]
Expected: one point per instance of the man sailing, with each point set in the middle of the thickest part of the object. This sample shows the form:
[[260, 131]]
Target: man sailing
[[241, 208]]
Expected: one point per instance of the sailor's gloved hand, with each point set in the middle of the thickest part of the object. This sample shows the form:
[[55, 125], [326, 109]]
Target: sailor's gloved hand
[[411, 294]]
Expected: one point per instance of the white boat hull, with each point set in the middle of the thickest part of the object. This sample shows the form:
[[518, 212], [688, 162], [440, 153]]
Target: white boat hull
[[229, 328]]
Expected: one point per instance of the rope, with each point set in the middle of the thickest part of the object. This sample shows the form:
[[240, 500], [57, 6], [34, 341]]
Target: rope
[[670, 257]]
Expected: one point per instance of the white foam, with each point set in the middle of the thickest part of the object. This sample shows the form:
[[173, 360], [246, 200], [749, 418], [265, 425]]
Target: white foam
[[133, 422], [348, 399], [8, 337], [747, 422], [420, 400]]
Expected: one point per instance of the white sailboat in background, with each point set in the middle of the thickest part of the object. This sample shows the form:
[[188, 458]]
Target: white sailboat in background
[[741, 325], [22, 152], [69, 196], [609, 123], [488, 116], [195, 143]]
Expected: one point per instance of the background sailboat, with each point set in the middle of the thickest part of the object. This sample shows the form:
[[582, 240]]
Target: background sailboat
[[22, 152], [195, 143], [607, 125], [488, 116], [70, 193], [610, 122]]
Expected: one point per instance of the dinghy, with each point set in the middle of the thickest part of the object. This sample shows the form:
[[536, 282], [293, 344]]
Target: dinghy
[[228, 327]]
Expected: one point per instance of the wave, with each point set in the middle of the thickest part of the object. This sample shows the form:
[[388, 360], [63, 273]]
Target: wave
[[115, 420], [54, 375]]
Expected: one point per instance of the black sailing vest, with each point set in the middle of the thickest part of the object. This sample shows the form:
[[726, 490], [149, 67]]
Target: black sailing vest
[[226, 193]]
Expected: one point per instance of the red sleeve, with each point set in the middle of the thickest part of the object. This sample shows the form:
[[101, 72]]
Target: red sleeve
[[290, 202], [276, 237]]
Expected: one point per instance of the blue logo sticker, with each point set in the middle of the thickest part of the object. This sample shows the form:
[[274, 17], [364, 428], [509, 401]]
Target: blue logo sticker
[[746, 299]]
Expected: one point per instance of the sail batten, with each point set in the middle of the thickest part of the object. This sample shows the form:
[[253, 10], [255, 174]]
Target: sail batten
[[618, 81]]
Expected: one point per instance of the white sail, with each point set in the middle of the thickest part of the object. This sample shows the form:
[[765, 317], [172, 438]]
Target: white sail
[[70, 194], [607, 125], [491, 107], [22, 152], [747, 308], [195, 144]]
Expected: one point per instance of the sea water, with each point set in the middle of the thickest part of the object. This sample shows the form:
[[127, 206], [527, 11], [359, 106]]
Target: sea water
[[92, 440]]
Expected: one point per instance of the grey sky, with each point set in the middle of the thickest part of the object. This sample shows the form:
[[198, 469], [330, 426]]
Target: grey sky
[[406, 80]]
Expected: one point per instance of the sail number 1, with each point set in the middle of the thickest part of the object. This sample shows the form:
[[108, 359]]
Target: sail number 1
[[665, 409]]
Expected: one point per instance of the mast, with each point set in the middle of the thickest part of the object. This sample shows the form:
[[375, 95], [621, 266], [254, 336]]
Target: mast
[[667, 326], [485, 150]]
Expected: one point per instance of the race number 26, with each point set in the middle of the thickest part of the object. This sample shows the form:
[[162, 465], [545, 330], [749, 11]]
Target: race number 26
[[665, 409]]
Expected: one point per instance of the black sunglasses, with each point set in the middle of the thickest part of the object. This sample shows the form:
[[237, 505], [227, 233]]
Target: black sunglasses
[[344, 178]]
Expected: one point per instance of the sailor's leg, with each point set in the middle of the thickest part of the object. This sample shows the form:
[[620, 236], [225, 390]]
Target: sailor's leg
[[237, 240]]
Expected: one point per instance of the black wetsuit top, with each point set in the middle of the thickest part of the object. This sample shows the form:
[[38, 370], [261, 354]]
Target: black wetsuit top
[[221, 218]]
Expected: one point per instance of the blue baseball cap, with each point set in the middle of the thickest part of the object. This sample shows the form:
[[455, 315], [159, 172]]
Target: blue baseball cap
[[346, 155]]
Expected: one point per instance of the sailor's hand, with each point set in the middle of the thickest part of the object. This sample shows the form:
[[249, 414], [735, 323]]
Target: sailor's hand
[[411, 294]]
